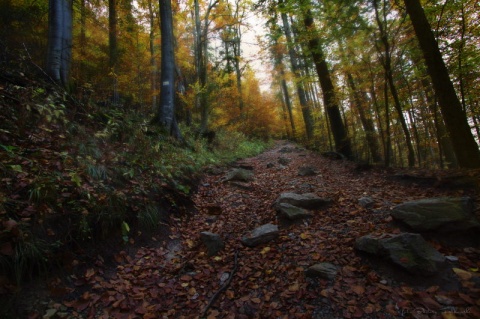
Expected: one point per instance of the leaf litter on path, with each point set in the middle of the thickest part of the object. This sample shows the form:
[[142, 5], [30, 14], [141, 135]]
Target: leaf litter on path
[[270, 281]]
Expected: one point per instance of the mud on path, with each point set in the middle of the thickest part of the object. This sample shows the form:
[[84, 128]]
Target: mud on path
[[177, 279]]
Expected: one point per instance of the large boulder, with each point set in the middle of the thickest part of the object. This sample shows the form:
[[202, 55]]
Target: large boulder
[[212, 242], [409, 251], [307, 201], [437, 214], [261, 235]]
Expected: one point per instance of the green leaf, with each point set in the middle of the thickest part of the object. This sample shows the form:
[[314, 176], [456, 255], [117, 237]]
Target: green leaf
[[74, 177], [17, 168], [125, 228]]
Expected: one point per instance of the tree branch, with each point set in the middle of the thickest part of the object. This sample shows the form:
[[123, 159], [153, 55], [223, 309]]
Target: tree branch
[[225, 285]]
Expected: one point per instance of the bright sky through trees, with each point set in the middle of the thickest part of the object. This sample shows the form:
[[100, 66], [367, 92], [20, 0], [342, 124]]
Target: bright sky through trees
[[252, 51]]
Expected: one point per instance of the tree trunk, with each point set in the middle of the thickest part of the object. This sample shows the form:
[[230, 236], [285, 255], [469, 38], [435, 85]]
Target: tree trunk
[[466, 149], [166, 111], [59, 40], [387, 65], [342, 141], [367, 123], [306, 112], [153, 62], [112, 46]]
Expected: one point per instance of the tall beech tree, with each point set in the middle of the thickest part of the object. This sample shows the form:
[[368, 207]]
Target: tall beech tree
[[466, 149], [59, 40], [166, 110]]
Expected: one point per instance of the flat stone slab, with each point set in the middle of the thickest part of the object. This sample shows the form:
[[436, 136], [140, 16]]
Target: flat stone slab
[[322, 270], [444, 214], [261, 235], [409, 251], [283, 160], [291, 212], [306, 171], [307, 201], [239, 174]]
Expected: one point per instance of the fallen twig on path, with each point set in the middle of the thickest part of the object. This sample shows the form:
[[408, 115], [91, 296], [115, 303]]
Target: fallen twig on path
[[225, 285]]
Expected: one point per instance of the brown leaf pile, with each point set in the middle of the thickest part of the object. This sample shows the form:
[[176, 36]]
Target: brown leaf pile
[[270, 282]]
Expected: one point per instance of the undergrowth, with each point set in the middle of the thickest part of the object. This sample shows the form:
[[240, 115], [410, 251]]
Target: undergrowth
[[74, 174]]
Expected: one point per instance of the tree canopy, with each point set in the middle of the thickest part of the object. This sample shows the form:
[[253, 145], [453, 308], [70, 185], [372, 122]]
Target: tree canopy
[[352, 76]]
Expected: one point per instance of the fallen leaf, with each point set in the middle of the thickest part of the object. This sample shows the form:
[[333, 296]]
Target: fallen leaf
[[463, 274], [294, 287], [265, 250], [359, 290]]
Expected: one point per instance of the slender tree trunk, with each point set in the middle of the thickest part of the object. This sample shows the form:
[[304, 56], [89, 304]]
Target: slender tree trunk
[[442, 135], [387, 64], [342, 141], [367, 123], [286, 94], [83, 28], [153, 61], [238, 53], [388, 143], [306, 112], [112, 45], [202, 61], [59, 40], [466, 149]]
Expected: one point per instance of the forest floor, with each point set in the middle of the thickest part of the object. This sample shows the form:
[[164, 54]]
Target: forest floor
[[173, 276]]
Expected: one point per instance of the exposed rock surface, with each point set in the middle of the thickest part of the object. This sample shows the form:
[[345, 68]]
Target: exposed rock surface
[[307, 201], [437, 214], [239, 174], [291, 212], [283, 160], [322, 270], [213, 242], [306, 171], [286, 149], [366, 202], [260, 235], [409, 251]]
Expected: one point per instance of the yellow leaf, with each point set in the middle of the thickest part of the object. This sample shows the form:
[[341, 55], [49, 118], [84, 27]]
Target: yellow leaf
[[265, 250], [185, 284], [463, 274], [217, 258], [448, 315], [190, 243], [303, 235], [192, 291], [473, 269]]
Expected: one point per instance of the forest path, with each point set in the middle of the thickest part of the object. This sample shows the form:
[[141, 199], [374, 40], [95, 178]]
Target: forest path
[[178, 280]]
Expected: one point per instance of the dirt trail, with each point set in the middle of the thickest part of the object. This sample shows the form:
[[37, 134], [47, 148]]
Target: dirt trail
[[270, 281]]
